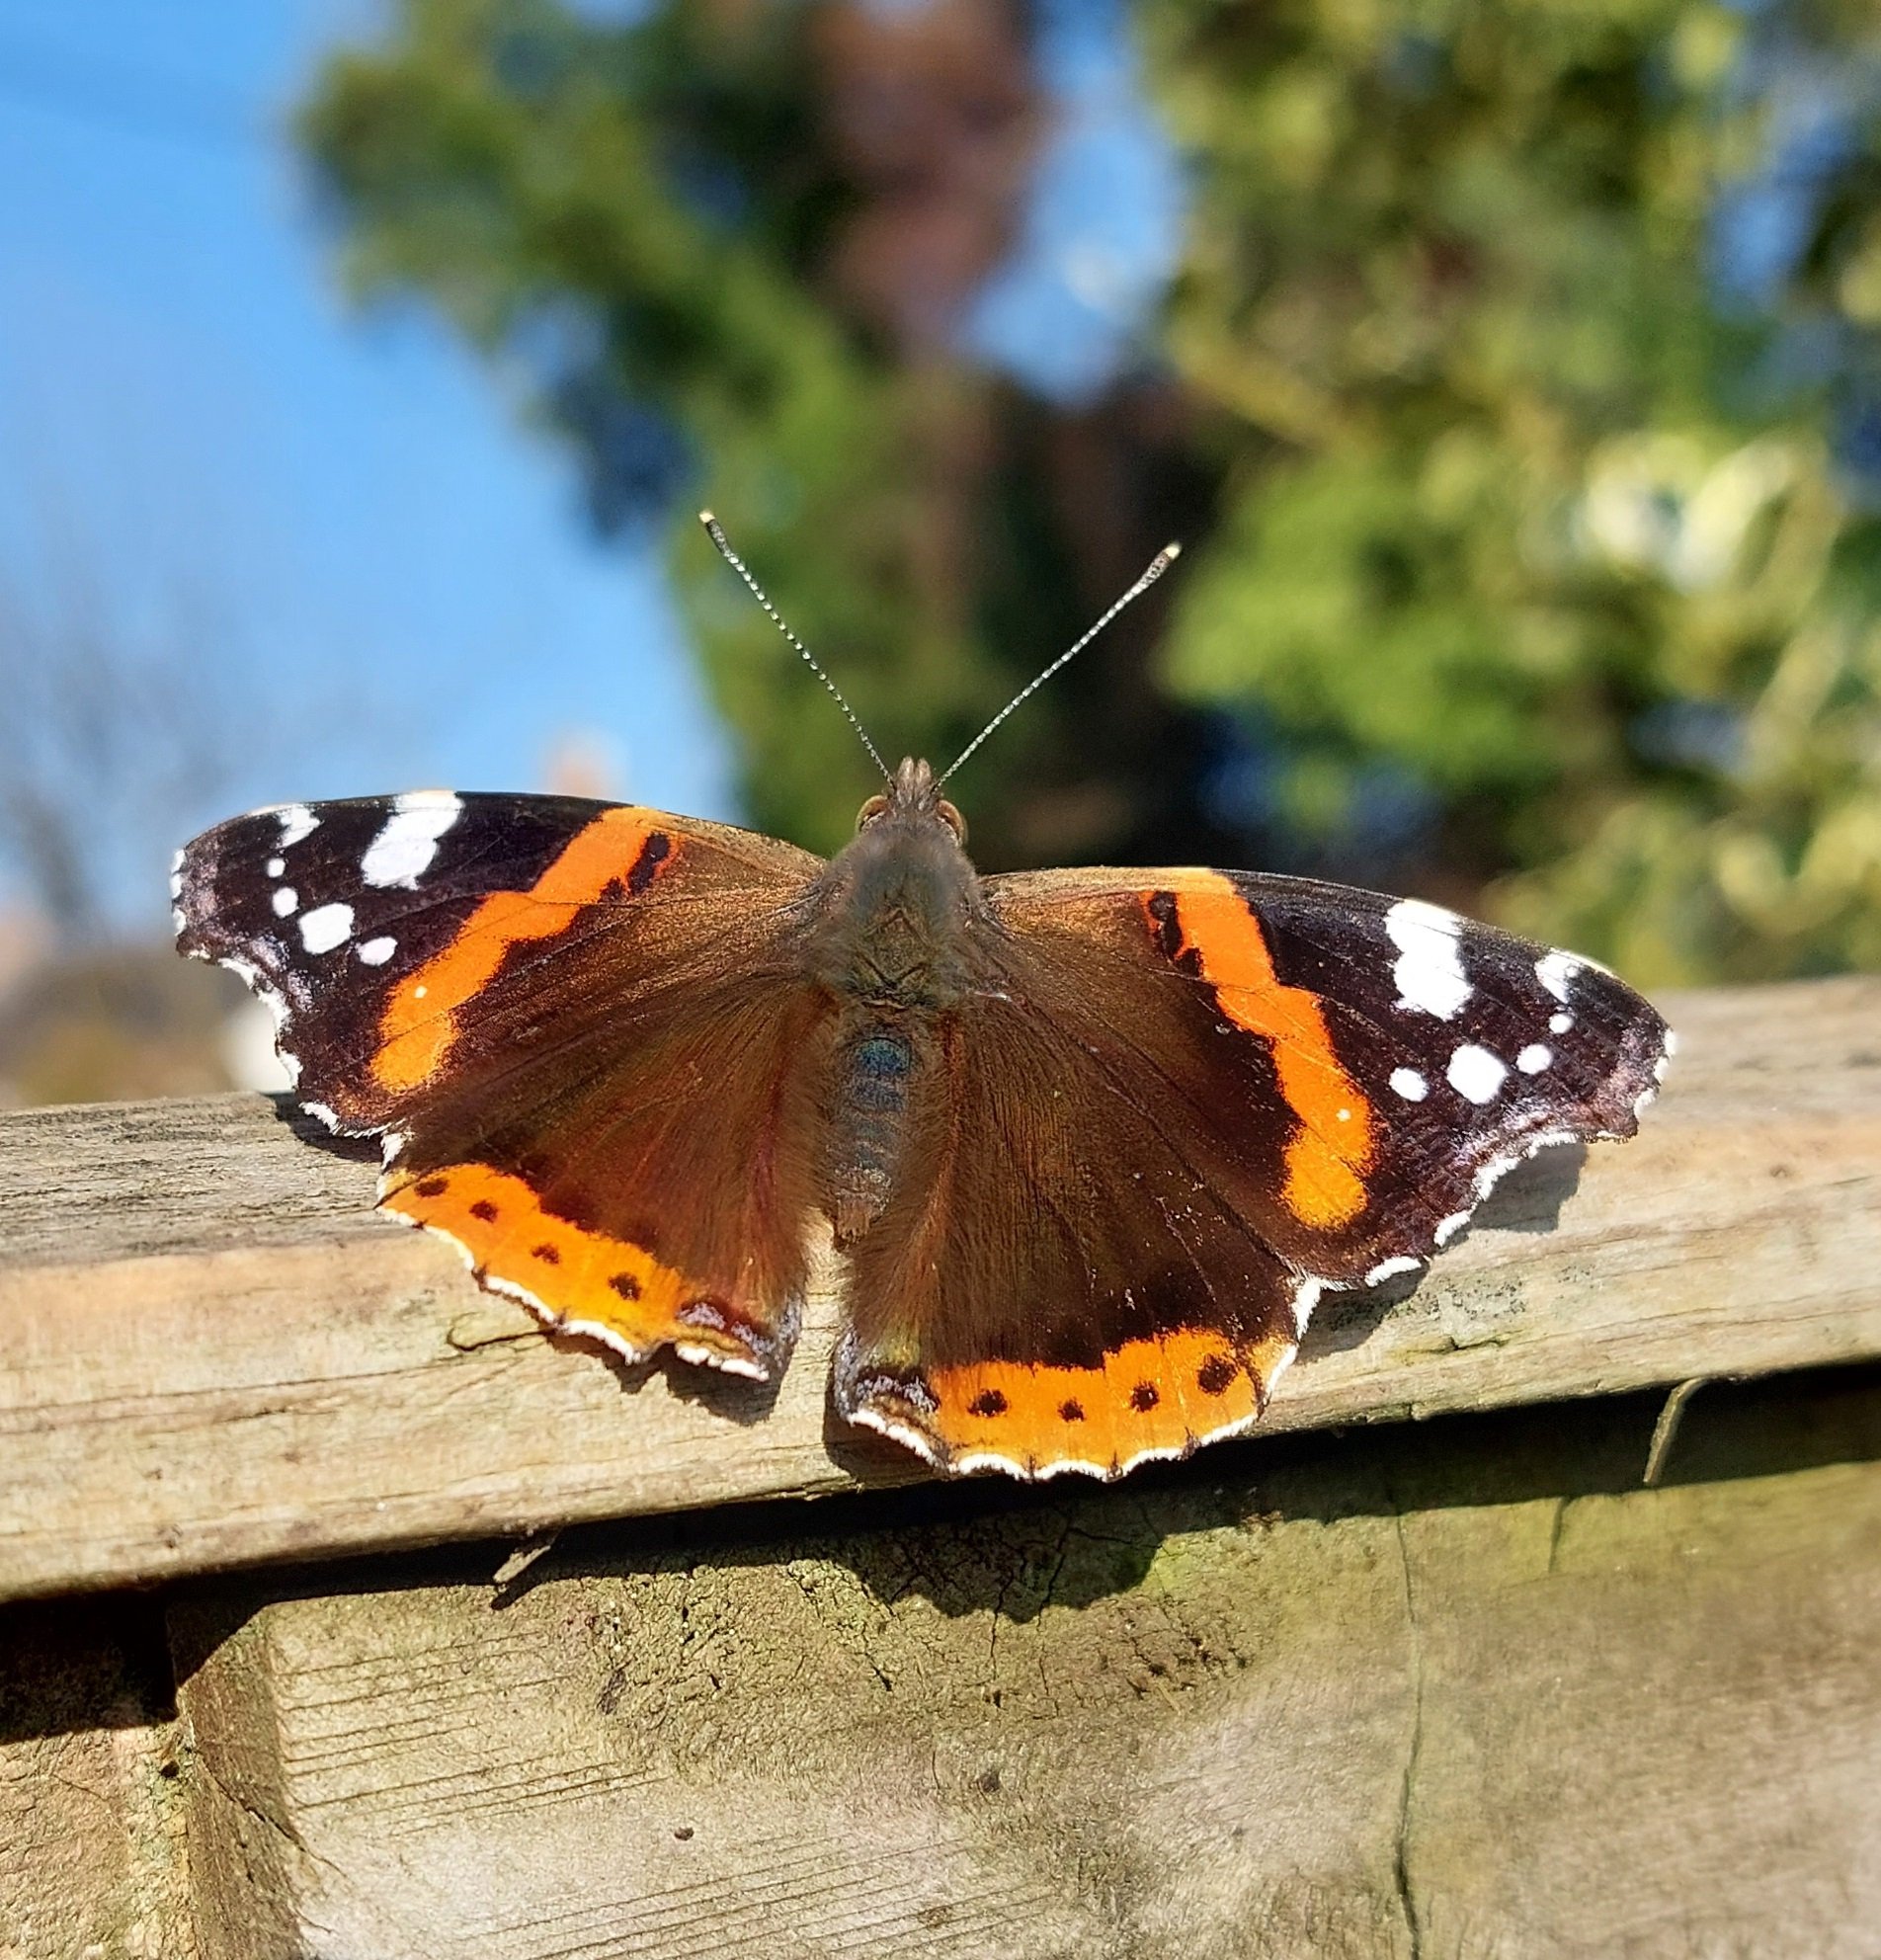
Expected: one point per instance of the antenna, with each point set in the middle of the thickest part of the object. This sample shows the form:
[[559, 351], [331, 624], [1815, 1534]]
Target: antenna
[[1157, 565], [717, 532]]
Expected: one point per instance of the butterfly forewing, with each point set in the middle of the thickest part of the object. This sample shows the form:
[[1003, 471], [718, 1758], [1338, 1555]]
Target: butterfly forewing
[[536, 1001]]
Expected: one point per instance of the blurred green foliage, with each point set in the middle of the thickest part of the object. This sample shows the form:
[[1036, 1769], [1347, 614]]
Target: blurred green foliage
[[1511, 515], [1509, 505]]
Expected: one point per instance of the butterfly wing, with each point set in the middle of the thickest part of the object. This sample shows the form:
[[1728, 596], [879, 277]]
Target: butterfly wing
[[1179, 1105], [579, 1029]]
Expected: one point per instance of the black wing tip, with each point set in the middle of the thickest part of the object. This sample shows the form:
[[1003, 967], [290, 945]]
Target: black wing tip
[[1644, 1055]]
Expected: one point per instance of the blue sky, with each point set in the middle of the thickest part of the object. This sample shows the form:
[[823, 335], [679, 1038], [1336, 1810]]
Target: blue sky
[[398, 583], [195, 422], [1103, 227]]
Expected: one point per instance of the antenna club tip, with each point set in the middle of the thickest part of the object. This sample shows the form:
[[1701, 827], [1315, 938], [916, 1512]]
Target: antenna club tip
[[1173, 549], [706, 518]]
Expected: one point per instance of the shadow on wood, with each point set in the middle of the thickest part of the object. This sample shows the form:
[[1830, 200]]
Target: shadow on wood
[[1468, 1685]]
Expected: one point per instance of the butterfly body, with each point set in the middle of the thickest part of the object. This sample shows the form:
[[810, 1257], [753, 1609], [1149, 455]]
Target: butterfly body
[[1090, 1143], [898, 943]]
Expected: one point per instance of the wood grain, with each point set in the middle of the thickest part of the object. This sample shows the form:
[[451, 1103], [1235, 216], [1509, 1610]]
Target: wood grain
[[1474, 1692], [211, 1354], [93, 1860]]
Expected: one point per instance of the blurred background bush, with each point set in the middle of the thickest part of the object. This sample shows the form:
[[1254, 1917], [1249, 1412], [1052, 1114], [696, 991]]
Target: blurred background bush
[[1510, 369]]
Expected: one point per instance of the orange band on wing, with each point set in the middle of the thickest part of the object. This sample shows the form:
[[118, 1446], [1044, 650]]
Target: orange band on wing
[[1149, 1398], [420, 1022], [1333, 1143], [598, 1284]]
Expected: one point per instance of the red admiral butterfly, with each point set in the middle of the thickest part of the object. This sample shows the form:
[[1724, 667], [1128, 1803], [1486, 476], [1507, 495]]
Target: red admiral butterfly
[[1090, 1142]]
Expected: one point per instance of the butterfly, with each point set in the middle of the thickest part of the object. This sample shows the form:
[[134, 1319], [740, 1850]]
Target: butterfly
[[1089, 1145]]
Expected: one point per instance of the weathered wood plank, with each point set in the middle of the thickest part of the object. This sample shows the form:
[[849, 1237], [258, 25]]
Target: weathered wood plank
[[210, 1353], [1469, 1692], [92, 1830]]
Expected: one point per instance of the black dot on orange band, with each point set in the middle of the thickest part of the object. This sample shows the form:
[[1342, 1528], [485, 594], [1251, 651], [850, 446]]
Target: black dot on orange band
[[989, 1402], [1161, 907], [1215, 1374], [653, 853], [485, 1210], [1071, 1412], [626, 1285], [547, 1254], [1144, 1396], [431, 1186]]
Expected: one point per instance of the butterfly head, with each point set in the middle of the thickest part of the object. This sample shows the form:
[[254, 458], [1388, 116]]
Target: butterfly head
[[897, 898], [913, 797]]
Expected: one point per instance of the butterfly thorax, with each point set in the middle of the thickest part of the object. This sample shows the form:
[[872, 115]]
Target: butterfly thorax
[[895, 940], [898, 906]]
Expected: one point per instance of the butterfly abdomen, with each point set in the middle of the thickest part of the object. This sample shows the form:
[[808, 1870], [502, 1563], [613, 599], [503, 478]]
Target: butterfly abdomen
[[873, 1079], [897, 946]]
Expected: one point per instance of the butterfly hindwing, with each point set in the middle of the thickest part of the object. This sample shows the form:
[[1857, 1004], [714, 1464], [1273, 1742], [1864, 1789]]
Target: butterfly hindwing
[[1196, 1099], [1065, 1277], [561, 1016]]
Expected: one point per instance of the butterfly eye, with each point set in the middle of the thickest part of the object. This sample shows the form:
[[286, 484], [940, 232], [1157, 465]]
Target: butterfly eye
[[953, 820], [870, 811]]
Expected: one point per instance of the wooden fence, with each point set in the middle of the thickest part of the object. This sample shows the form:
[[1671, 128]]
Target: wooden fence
[[1469, 1686]]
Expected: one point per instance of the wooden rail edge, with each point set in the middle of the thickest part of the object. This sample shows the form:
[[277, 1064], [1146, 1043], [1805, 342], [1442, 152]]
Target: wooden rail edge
[[211, 1354]]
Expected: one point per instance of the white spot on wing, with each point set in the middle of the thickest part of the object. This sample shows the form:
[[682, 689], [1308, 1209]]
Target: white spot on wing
[[871, 1418], [285, 901], [1559, 1023], [709, 1358], [1475, 1073], [1082, 1466], [1429, 970], [326, 926], [1410, 1085], [1534, 1058], [296, 822], [1305, 1299], [276, 866], [402, 850], [1555, 970], [1389, 1269], [975, 1460], [1492, 1173], [376, 952], [589, 1330]]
